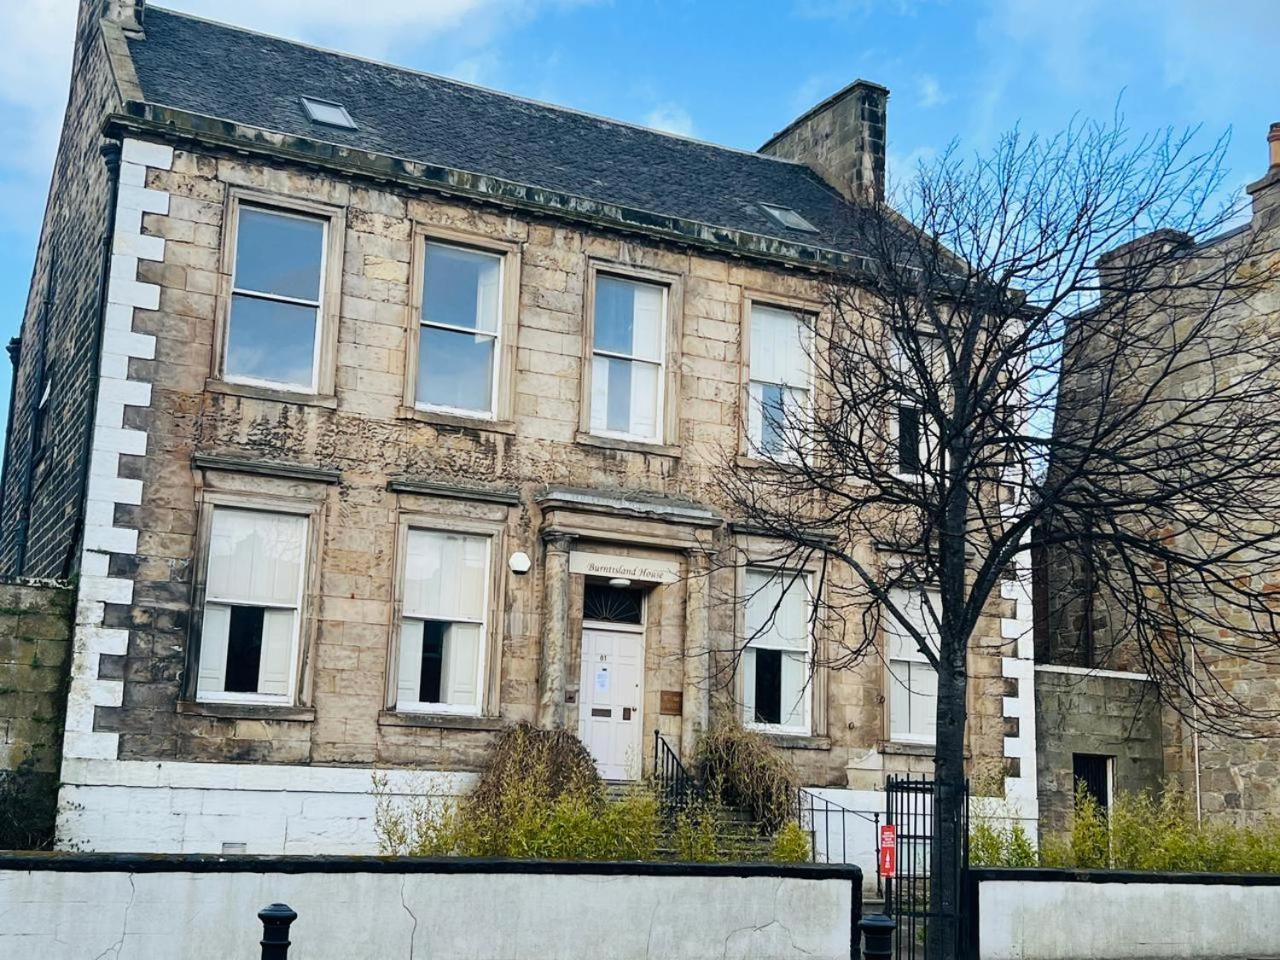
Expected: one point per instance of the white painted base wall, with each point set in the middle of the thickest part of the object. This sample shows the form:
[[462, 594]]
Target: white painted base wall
[[1060, 919], [110, 806], [497, 915]]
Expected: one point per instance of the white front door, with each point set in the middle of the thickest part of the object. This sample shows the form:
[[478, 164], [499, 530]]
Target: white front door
[[610, 697]]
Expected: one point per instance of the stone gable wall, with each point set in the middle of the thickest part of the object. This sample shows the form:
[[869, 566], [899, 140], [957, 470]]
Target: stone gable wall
[[40, 511]]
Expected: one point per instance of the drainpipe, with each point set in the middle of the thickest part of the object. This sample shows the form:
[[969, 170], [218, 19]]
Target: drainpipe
[[110, 151], [1195, 741]]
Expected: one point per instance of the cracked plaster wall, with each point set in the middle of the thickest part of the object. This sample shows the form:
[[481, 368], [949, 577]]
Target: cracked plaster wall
[[485, 916]]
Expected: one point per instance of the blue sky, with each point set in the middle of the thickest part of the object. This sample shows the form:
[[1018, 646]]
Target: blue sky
[[729, 72]]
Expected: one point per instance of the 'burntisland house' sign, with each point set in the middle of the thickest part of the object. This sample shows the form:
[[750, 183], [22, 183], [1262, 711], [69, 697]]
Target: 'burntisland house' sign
[[629, 568]]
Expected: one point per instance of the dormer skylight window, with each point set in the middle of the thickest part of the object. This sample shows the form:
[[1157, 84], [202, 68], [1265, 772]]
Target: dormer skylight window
[[329, 113], [786, 217]]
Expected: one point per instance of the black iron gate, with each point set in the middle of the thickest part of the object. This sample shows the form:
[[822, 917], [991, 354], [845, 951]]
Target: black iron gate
[[908, 898]]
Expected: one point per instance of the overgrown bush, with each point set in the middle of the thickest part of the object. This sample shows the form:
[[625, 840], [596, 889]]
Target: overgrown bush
[[1144, 831], [741, 768], [28, 807], [539, 797]]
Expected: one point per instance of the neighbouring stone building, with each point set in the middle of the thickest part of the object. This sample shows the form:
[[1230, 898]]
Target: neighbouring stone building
[[375, 411], [1099, 717]]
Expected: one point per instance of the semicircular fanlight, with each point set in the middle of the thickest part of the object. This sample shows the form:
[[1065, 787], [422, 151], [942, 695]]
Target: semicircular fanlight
[[610, 604]]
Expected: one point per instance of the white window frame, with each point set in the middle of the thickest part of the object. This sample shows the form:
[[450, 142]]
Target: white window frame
[[317, 346], [806, 318], [306, 514], [896, 685], [792, 579], [325, 348], [424, 708], [496, 335], [660, 410]]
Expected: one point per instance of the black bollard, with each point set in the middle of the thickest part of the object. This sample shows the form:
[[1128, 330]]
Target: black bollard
[[275, 930], [877, 936]]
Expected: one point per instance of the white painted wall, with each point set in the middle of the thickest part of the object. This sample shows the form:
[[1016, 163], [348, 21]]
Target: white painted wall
[[134, 806], [491, 916], [1072, 920]]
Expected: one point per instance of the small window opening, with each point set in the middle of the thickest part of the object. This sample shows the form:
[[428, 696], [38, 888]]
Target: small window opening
[[786, 217], [1093, 773], [329, 113]]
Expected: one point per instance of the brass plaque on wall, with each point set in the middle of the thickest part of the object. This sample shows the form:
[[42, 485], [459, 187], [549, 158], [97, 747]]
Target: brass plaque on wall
[[671, 703]]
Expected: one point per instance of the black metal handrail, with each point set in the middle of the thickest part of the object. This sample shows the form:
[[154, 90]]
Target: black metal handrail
[[836, 820], [677, 787]]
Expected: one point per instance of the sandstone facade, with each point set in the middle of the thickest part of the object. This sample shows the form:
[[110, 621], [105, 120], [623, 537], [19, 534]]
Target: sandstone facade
[[175, 440]]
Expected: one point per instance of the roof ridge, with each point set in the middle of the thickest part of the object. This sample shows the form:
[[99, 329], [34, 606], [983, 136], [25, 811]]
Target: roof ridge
[[559, 108]]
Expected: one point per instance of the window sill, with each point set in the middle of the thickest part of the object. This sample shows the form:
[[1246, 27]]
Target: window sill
[[629, 446], [439, 721], [247, 711], [797, 741], [908, 748], [283, 394], [747, 462], [438, 418]]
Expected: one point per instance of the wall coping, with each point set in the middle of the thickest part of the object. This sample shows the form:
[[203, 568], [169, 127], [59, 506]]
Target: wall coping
[[1067, 875], [52, 583], [248, 863]]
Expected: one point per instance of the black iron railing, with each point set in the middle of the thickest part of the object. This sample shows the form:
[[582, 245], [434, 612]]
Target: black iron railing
[[677, 787], [832, 828]]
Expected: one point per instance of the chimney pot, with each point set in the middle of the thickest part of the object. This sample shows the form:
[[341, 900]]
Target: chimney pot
[[128, 13], [1273, 144]]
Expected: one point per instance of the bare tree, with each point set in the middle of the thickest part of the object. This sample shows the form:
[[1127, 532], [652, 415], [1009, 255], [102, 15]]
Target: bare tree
[[1050, 279]]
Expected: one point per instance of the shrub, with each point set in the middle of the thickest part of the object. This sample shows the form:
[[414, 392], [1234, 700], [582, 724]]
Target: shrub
[[1143, 831], [742, 768], [538, 797], [547, 764], [791, 844], [696, 834]]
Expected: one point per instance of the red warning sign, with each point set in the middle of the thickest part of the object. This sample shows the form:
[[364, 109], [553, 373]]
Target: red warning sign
[[888, 850]]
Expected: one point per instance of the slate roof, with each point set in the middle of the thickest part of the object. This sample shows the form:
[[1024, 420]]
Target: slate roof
[[224, 72]]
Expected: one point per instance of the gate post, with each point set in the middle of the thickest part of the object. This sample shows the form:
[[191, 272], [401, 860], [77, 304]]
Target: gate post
[[275, 930], [877, 936]]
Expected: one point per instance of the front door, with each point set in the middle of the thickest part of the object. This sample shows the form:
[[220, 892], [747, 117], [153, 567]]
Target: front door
[[610, 697]]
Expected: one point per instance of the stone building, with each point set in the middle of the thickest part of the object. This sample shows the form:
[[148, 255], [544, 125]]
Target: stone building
[[1100, 718], [407, 401]]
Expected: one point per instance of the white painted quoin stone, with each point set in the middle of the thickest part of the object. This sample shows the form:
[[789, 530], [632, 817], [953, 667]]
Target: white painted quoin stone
[[111, 439]]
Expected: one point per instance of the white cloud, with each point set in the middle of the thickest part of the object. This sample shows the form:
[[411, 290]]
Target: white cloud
[[374, 28], [931, 92], [670, 118]]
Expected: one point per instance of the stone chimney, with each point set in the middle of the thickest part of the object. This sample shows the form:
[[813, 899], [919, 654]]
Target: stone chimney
[[1266, 192], [842, 139], [127, 13]]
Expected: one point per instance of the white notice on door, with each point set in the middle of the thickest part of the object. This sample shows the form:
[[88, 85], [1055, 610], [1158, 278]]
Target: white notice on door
[[602, 680]]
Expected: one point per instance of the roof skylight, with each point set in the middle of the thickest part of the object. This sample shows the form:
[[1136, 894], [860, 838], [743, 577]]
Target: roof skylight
[[327, 112], [786, 217]]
